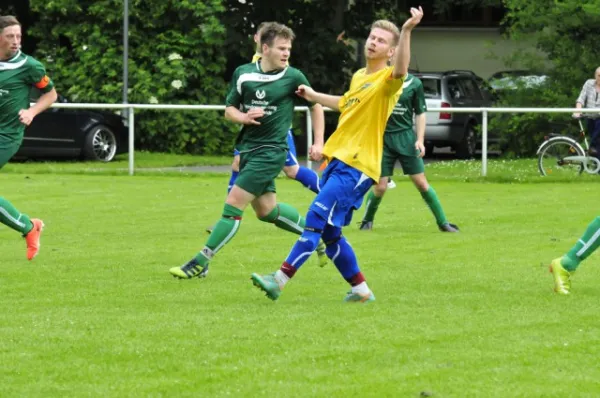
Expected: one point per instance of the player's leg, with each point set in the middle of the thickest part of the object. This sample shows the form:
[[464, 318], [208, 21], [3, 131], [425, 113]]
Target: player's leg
[[257, 171], [414, 167], [344, 258], [31, 229], [342, 190], [563, 267], [374, 197], [235, 171], [293, 170]]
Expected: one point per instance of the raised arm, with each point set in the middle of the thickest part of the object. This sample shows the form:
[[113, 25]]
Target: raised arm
[[403, 49]]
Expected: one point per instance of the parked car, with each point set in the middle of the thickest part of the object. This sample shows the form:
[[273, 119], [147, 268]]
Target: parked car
[[74, 133], [454, 89]]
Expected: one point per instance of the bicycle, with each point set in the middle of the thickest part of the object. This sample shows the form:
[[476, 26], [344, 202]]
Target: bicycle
[[561, 155]]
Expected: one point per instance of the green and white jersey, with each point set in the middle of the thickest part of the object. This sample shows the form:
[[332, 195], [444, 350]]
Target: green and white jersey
[[17, 76], [410, 103], [273, 91]]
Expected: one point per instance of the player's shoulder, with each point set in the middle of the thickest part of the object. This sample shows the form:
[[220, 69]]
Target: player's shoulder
[[416, 81]]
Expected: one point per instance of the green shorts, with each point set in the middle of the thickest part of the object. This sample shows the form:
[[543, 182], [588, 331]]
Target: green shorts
[[401, 147], [259, 168], [7, 151]]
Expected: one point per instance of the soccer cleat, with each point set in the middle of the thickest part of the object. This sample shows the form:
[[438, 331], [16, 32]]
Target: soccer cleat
[[448, 227], [562, 277], [33, 238], [209, 229], [359, 298], [321, 254], [366, 225], [391, 184], [189, 270], [267, 284]]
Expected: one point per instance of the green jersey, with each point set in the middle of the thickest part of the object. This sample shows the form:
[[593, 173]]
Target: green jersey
[[273, 91], [17, 76], [411, 102]]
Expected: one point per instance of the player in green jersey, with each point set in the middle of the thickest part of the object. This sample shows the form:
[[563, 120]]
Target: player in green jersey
[[564, 267], [18, 73], [261, 97], [401, 144]]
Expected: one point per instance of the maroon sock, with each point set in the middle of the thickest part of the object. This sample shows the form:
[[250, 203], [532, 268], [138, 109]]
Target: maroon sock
[[288, 269], [356, 280]]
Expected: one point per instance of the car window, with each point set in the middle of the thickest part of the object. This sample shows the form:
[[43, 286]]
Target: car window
[[470, 88], [454, 89], [431, 87]]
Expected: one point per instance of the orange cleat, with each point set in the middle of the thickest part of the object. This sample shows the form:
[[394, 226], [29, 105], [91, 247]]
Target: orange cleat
[[33, 238]]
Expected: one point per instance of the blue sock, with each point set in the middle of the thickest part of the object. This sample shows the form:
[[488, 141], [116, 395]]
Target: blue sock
[[232, 179], [340, 252], [308, 241], [308, 178]]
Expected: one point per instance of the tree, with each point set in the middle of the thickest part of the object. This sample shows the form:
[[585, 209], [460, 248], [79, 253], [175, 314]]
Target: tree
[[175, 57], [565, 35]]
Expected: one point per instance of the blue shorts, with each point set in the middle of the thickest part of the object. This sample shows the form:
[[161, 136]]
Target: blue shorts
[[290, 160], [342, 190]]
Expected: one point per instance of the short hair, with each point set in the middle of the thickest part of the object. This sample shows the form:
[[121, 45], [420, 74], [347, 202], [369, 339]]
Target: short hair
[[263, 25], [273, 30], [8, 20], [388, 26]]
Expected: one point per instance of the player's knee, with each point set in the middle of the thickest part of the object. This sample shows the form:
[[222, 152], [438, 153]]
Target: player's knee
[[291, 171], [380, 188]]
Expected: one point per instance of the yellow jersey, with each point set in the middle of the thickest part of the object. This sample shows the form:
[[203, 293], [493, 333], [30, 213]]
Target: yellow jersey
[[365, 109]]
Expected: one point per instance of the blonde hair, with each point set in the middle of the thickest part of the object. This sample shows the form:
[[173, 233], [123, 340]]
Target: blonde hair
[[388, 26]]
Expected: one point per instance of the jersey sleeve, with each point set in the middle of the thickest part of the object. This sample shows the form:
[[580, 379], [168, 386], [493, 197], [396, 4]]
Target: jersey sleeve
[[234, 95], [39, 78], [419, 104], [301, 79]]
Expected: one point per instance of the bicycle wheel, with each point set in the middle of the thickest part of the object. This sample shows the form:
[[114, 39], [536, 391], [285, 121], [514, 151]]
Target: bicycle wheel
[[552, 154]]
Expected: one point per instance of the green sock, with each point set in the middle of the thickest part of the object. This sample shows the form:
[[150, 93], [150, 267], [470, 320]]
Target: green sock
[[431, 198], [13, 218], [585, 246], [223, 231], [371, 206], [285, 217]]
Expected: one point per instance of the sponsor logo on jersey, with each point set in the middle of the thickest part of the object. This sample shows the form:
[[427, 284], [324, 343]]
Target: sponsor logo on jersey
[[260, 94]]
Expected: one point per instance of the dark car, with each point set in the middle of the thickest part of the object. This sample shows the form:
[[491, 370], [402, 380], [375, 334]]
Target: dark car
[[74, 133]]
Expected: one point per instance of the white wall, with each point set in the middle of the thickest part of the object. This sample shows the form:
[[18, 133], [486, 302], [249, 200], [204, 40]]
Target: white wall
[[440, 49]]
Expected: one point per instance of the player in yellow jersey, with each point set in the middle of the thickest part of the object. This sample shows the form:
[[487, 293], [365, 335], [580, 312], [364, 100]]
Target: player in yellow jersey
[[354, 152]]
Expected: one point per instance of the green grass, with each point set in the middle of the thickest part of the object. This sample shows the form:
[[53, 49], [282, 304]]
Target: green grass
[[457, 315]]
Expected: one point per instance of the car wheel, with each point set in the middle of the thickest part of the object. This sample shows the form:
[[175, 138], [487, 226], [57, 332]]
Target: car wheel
[[100, 144], [467, 147]]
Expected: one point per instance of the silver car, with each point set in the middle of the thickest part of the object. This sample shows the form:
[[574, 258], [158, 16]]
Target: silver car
[[454, 89]]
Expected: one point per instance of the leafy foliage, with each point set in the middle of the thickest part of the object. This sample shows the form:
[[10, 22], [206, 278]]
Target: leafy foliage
[[175, 57], [565, 34]]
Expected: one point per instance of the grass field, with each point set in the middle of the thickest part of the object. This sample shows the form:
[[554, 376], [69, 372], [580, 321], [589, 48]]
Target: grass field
[[457, 315]]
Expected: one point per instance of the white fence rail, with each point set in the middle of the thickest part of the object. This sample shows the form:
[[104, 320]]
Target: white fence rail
[[484, 124]]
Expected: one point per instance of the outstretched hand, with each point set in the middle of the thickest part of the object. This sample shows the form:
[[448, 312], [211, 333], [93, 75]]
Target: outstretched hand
[[305, 92], [415, 18]]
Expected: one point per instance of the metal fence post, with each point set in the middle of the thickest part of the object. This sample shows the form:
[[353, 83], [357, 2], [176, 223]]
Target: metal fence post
[[484, 142], [130, 123], [309, 138]]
